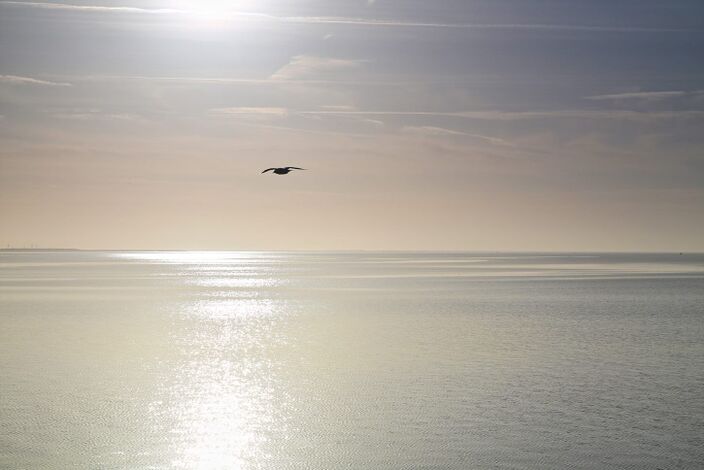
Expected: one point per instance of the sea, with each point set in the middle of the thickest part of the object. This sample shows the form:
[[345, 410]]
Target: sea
[[351, 360]]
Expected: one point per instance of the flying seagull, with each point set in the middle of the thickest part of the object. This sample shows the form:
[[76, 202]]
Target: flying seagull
[[283, 170]]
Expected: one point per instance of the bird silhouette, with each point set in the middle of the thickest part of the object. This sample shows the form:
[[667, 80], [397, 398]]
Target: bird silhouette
[[283, 170]]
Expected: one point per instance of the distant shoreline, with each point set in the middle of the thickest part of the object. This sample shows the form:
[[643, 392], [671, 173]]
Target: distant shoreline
[[480, 253], [41, 249]]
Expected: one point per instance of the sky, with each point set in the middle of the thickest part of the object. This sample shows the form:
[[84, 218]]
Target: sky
[[499, 125]]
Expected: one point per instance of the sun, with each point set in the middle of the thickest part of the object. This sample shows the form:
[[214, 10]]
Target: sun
[[216, 14], [225, 6]]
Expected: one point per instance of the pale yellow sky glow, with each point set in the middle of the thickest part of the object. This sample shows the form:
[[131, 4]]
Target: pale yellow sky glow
[[456, 126]]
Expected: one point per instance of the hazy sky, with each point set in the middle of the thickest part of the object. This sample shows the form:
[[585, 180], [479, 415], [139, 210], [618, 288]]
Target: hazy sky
[[447, 124]]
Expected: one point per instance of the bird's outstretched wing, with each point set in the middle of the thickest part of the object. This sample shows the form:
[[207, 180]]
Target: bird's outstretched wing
[[294, 168], [268, 169]]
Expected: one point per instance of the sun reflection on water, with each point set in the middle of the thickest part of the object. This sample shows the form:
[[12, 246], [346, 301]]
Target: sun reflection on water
[[196, 258], [222, 399], [221, 417], [235, 308]]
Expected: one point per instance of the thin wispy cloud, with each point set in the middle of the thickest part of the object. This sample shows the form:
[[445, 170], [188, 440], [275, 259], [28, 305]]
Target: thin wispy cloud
[[338, 107], [273, 80], [342, 20], [251, 111], [229, 14], [372, 116], [204, 80], [430, 130], [311, 67], [441, 131], [374, 122], [499, 26], [643, 95], [91, 8], [99, 115], [524, 115], [18, 80]]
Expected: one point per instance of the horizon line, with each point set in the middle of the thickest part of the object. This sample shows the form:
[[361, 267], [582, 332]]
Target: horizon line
[[352, 250]]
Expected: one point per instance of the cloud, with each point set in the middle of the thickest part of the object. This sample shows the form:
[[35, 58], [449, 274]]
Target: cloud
[[17, 80], [254, 81], [643, 95], [430, 130], [252, 112], [441, 131], [190, 13], [311, 67], [374, 122], [524, 115], [89, 8], [342, 20], [335, 20], [90, 116], [203, 80], [338, 107], [305, 66]]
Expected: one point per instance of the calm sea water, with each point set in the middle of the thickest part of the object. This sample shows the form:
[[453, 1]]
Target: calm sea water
[[182, 360]]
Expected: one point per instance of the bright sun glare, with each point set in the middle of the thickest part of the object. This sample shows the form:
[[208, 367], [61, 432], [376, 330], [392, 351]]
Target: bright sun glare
[[214, 14]]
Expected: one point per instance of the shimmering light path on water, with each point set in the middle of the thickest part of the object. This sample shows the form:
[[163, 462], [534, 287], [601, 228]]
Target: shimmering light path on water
[[225, 360]]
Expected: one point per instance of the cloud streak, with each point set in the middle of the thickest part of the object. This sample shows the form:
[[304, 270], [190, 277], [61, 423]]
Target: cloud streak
[[279, 80], [91, 8], [352, 21], [627, 115], [498, 26], [644, 95], [17, 80], [441, 131], [306, 67], [251, 111], [624, 115]]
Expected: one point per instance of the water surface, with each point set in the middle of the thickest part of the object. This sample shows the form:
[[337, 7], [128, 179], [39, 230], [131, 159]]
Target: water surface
[[259, 360]]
